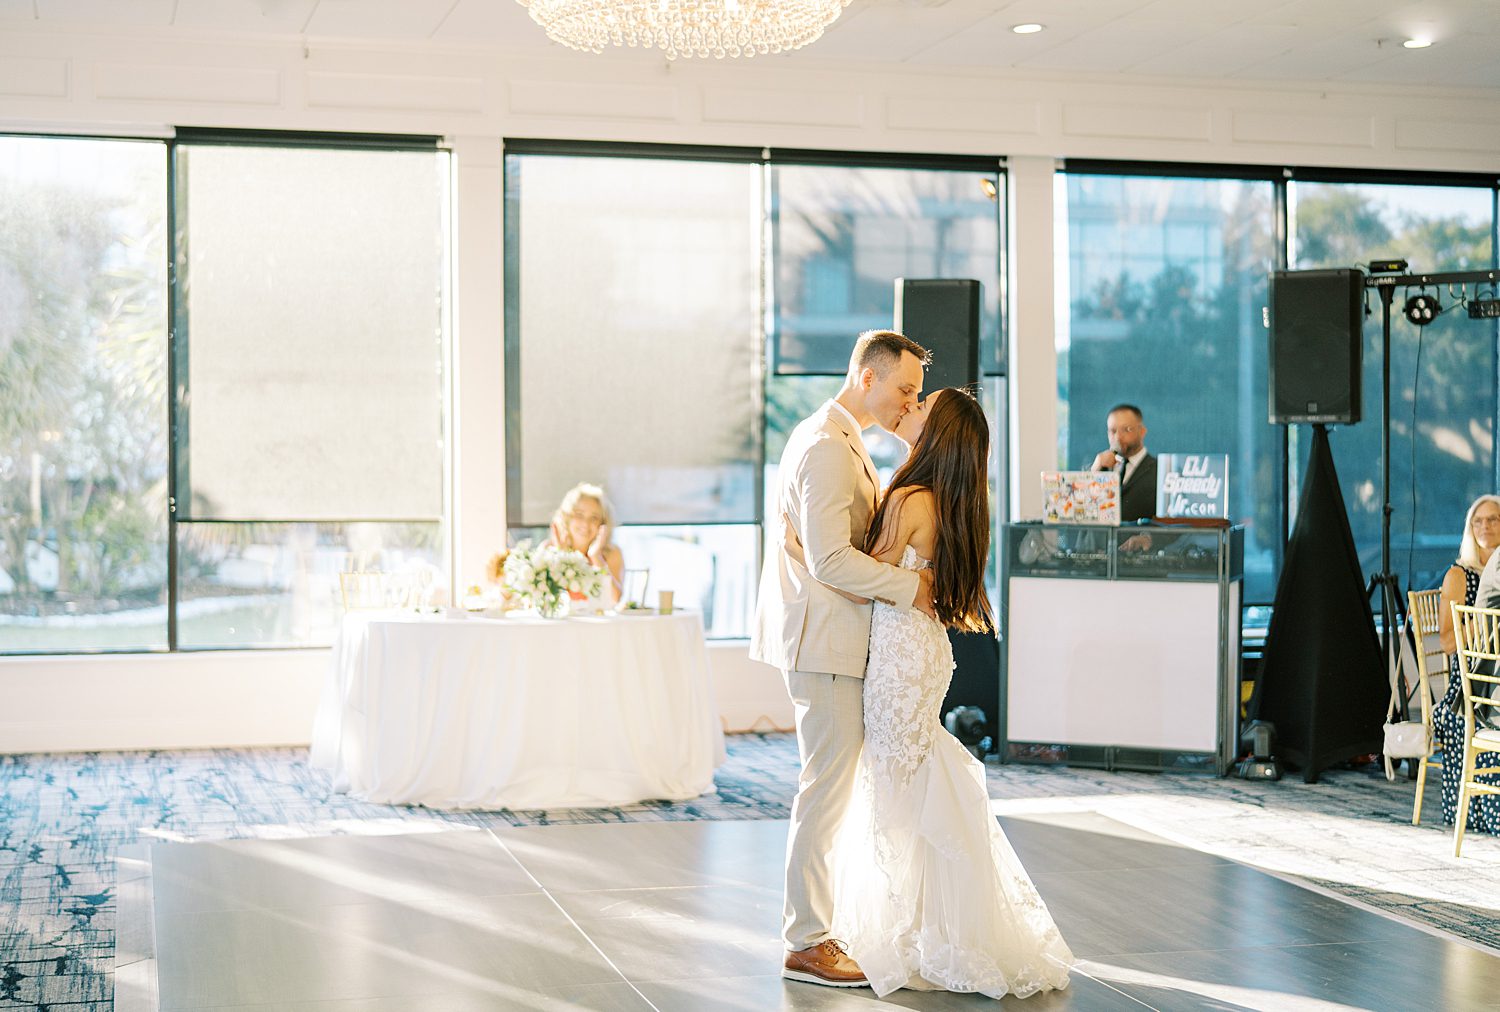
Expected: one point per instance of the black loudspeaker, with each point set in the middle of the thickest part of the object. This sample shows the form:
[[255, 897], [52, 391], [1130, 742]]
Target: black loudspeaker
[[1317, 342], [942, 315]]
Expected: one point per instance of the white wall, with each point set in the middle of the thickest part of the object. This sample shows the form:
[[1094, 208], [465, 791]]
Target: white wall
[[203, 700], [165, 78], [143, 701], [138, 82]]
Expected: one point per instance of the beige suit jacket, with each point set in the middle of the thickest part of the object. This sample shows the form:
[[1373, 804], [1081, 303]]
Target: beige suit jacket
[[827, 485]]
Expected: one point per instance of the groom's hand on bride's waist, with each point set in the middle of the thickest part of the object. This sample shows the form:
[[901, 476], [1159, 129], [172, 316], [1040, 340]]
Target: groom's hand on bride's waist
[[923, 601]]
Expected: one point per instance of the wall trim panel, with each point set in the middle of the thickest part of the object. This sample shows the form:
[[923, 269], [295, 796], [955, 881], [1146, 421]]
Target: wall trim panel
[[1138, 121], [594, 101], [1001, 118], [1431, 134], [1354, 129], [29, 78], [216, 85], [393, 91], [743, 105]]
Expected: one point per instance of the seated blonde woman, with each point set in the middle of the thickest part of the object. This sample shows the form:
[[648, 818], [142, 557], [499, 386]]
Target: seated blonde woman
[[583, 524], [1479, 541]]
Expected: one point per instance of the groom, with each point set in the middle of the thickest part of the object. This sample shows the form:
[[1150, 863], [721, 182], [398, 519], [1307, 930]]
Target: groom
[[819, 639]]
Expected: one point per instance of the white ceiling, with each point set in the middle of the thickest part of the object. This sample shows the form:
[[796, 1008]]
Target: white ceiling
[[1310, 40]]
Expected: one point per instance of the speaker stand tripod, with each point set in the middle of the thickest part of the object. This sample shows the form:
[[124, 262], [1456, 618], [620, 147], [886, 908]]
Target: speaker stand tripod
[[1392, 608], [1392, 612]]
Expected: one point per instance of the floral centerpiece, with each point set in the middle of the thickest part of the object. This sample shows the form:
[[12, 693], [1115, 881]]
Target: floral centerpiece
[[543, 578]]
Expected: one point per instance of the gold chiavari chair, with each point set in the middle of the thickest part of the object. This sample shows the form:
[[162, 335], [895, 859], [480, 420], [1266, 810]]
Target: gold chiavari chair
[[1476, 634], [1432, 680]]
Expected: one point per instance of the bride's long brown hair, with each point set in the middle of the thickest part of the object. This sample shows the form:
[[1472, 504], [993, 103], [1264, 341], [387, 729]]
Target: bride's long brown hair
[[951, 458]]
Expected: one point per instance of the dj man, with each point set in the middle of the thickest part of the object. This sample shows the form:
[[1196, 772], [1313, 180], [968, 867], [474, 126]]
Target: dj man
[[1127, 455]]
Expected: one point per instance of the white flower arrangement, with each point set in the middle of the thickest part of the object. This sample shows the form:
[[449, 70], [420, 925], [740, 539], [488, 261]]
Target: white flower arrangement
[[545, 578]]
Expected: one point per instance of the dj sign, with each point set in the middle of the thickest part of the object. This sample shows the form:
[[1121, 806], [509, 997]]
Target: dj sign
[[1192, 485]]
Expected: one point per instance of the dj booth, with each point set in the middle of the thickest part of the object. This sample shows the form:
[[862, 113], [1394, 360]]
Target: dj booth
[[1121, 645]]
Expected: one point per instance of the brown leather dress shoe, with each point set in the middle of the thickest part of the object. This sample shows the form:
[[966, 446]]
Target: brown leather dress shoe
[[825, 963]]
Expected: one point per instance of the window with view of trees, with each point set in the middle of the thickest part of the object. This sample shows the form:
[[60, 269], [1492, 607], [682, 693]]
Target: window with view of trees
[[83, 401], [1165, 279], [1166, 283], [1443, 393], [304, 387]]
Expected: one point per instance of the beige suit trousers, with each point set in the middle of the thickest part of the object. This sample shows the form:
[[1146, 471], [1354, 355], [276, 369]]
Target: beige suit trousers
[[830, 734]]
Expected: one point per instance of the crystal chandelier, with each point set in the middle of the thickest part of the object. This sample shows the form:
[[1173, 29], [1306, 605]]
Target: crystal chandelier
[[686, 27]]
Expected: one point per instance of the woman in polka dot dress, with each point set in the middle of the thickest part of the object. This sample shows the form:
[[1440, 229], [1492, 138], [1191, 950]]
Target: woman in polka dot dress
[[1481, 537]]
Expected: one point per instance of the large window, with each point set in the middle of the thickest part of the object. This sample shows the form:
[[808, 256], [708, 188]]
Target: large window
[[296, 358], [309, 418], [1165, 278], [841, 235], [633, 301], [1443, 392], [636, 333], [631, 336], [83, 404], [189, 457]]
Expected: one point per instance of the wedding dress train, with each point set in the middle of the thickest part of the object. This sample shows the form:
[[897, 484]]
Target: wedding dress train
[[930, 893]]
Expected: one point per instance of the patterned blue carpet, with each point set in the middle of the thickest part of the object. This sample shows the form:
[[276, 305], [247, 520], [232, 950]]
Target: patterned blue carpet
[[63, 818]]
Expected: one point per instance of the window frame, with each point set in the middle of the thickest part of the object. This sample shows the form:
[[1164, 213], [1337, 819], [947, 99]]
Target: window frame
[[1281, 176], [172, 140], [766, 159]]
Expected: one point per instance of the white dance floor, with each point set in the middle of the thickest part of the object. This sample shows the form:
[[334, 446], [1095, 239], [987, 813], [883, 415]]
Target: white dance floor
[[685, 916]]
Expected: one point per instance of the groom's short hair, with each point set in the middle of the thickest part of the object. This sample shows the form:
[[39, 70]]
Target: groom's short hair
[[881, 350]]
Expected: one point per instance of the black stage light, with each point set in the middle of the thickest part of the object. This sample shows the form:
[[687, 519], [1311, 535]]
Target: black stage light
[[967, 724], [1259, 739], [1422, 309], [1391, 266], [1484, 309]]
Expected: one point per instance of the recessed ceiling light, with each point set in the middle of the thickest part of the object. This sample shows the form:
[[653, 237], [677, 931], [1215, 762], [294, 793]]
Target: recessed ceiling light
[[1417, 43], [1030, 28]]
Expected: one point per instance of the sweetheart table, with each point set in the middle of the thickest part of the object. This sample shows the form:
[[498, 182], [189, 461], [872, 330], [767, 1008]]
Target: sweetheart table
[[518, 712]]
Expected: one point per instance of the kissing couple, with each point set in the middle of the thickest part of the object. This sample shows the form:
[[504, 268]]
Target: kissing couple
[[897, 875]]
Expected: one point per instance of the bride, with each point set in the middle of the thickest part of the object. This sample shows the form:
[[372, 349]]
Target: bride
[[930, 894]]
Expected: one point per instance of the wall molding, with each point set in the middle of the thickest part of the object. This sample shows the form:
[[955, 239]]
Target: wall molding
[[272, 82]]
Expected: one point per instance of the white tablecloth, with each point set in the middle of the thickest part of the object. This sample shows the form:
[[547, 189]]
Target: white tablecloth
[[519, 712]]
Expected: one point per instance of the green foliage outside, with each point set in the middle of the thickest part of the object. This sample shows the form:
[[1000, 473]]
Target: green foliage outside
[[1186, 343], [82, 398], [1194, 357], [1450, 452]]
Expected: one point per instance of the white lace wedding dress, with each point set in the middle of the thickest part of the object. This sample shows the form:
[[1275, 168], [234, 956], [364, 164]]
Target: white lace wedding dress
[[930, 894]]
